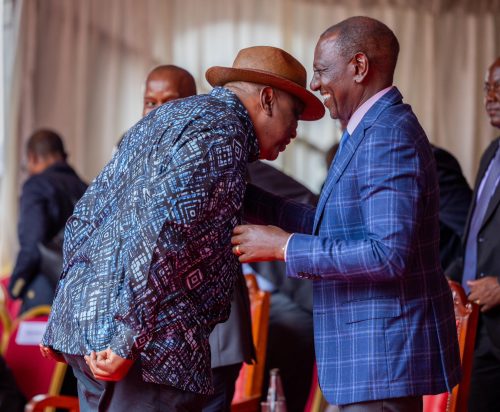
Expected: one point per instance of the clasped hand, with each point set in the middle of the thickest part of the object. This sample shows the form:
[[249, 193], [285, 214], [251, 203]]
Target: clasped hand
[[105, 365], [485, 292]]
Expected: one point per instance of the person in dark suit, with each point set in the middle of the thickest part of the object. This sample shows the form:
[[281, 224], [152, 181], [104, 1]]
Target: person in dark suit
[[290, 319], [479, 271], [47, 201], [455, 197], [384, 324]]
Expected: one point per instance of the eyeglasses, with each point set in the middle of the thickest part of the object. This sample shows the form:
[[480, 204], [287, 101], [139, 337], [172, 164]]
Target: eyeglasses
[[491, 87]]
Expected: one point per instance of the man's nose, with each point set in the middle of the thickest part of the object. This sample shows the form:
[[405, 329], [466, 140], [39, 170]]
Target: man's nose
[[491, 94], [314, 82]]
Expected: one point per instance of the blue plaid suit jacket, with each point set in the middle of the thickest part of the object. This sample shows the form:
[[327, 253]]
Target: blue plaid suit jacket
[[384, 324]]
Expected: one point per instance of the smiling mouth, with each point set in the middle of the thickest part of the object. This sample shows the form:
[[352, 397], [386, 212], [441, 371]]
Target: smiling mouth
[[326, 97]]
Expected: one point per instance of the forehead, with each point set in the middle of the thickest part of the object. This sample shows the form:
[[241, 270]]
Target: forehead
[[326, 50], [162, 82], [493, 73]]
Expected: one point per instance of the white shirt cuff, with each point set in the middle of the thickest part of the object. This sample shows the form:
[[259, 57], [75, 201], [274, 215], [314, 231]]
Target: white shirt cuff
[[286, 247]]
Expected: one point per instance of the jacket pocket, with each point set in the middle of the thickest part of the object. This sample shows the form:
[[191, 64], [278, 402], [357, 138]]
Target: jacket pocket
[[374, 308]]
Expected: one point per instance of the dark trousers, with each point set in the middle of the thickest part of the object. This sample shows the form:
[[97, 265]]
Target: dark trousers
[[290, 348], [224, 379], [406, 404], [130, 394], [484, 395]]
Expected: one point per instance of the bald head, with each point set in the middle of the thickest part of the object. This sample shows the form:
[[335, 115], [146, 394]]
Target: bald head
[[165, 83], [492, 93], [370, 37]]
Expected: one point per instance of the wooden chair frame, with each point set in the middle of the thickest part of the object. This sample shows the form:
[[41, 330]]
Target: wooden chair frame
[[39, 402], [254, 374]]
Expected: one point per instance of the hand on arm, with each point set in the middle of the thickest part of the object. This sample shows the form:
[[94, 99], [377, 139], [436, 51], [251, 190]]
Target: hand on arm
[[485, 292], [107, 365], [255, 243]]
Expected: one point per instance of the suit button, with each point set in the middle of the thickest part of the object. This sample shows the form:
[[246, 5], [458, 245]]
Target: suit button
[[481, 275], [480, 239]]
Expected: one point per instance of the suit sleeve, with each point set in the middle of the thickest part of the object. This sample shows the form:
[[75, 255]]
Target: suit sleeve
[[261, 207], [32, 229], [390, 195], [455, 195]]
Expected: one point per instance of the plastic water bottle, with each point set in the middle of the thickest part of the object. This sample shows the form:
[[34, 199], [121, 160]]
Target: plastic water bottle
[[276, 401]]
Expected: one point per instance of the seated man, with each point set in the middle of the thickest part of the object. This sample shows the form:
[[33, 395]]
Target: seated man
[[148, 268]]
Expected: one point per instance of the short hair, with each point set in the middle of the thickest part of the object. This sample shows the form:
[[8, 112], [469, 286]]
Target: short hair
[[368, 36], [187, 83], [45, 142]]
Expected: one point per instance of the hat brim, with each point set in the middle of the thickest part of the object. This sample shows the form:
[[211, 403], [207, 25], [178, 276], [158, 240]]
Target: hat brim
[[313, 108]]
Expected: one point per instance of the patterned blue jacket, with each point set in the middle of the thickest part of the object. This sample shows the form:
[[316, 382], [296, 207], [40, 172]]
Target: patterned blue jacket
[[384, 325], [148, 268]]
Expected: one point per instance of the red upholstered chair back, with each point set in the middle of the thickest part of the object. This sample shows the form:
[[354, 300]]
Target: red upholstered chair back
[[466, 315], [34, 374], [249, 382], [13, 305]]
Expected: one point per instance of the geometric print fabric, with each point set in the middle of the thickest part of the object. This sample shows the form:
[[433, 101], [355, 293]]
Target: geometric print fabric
[[148, 268]]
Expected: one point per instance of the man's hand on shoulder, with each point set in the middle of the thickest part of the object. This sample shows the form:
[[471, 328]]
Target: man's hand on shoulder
[[485, 292], [107, 365]]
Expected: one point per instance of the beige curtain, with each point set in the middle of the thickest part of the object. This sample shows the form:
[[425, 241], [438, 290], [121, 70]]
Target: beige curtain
[[80, 66]]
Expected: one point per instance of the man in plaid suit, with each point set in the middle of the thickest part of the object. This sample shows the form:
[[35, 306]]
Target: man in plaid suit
[[383, 314]]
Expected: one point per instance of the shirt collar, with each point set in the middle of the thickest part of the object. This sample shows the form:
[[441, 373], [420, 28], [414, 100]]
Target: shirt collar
[[230, 98], [361, 110]]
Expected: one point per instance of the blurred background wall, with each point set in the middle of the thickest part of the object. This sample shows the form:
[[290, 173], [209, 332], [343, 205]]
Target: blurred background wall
[[78, 66]]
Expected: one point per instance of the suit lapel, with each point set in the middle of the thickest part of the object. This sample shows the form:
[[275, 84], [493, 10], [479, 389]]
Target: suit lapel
[[483, 166], [341, 162], [494, 201]]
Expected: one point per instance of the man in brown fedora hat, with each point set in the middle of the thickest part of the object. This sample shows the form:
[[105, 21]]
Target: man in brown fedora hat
[[148, 269]]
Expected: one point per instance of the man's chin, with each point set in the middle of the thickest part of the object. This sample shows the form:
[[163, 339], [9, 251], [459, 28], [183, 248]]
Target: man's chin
[[269, 156], [495, 121]]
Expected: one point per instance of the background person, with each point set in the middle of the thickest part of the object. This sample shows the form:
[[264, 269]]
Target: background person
[[479, 271], [47, 201]]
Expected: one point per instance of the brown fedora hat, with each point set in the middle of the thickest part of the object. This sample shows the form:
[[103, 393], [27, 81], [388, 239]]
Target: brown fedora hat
[[272, 67]]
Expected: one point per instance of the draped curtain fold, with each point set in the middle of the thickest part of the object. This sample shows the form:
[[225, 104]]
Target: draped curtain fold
[[79, 68]]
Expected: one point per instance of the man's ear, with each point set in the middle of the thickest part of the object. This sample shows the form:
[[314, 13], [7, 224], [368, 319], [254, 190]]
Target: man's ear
[[361, 66], [267, 100]]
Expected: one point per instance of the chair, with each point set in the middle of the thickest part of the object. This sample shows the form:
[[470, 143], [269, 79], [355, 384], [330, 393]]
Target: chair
[[315, 401], [249, 383], [13, 305], [466, 315], [39, 402], [33, 373], [5, 320]]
